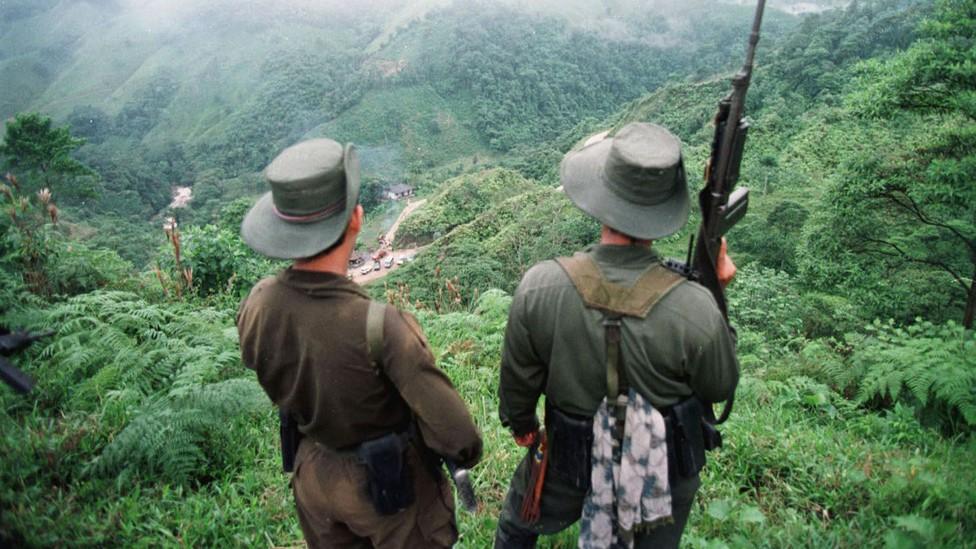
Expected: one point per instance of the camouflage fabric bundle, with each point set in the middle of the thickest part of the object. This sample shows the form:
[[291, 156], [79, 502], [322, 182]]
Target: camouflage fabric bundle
[[632, 493]]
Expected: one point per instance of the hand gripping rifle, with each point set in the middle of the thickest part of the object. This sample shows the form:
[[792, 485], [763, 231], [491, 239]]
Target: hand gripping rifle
[[722, 206]]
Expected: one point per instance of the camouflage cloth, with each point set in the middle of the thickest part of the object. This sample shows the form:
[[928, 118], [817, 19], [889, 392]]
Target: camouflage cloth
[[634, 492]]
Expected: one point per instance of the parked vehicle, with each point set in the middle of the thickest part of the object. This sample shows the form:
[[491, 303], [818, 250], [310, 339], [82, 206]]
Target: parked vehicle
[[388, 262], [400, 260], [376, 265], [366, 268]]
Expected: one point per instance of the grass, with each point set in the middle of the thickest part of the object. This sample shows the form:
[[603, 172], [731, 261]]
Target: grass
[[801, 467]]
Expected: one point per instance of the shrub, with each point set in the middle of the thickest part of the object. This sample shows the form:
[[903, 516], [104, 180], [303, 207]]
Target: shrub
[[924, 364]]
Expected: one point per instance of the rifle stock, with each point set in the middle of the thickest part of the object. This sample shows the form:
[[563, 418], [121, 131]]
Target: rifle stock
[[10, 344]]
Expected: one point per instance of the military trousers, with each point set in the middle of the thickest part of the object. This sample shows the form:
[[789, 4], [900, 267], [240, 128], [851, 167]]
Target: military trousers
[[562, 505], [335, 511]]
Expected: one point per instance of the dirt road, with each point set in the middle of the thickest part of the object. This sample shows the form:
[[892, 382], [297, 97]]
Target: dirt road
[[397, 254], [411, 207]]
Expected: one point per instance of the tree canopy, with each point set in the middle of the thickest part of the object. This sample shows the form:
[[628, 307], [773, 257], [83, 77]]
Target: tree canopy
[[33, 145]]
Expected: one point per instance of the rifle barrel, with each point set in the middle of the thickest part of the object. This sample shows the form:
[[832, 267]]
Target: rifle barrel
[[740, 84]]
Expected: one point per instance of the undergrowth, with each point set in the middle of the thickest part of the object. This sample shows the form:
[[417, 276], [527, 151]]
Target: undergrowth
[[145, 429]]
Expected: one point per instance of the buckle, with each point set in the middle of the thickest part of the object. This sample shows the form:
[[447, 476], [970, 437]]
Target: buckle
[[608, 321]]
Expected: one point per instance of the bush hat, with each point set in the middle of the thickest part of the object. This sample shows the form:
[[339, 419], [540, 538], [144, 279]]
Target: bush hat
[[314, 190], [633, 182]]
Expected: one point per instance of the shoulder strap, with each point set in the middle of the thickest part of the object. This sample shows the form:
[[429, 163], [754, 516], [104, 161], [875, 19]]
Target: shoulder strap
[[616, 301], [374, 334], [599, 293]]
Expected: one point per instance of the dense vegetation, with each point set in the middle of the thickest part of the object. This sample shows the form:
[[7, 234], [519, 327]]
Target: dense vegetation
[[855, 417]]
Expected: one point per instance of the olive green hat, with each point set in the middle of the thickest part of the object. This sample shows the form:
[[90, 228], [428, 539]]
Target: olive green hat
[[634, 182], [314, 190]]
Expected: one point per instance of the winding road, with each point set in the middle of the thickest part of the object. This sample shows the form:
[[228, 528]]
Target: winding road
[[390, 236]]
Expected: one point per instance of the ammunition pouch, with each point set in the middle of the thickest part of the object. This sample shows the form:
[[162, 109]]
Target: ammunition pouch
[[570, 447], [389, 480], [290, 438], [689, 437]]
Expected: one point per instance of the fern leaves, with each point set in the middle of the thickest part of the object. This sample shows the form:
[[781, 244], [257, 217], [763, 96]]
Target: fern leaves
[[164, 377], [925, 364]]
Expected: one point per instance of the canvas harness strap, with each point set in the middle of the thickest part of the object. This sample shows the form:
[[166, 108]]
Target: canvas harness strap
[[374, 334], [616, 301], [375, 316]]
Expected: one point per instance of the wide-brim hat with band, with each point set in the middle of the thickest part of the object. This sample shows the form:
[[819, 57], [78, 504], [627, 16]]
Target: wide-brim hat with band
[[633, 182], [314, 190]]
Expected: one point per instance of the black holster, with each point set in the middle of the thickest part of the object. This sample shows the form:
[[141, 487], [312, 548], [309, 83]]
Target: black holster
[[388, 477], [290, 438], [689, 436], [570, 447]]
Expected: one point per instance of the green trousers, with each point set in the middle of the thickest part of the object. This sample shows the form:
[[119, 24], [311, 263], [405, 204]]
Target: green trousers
[[562, 505]]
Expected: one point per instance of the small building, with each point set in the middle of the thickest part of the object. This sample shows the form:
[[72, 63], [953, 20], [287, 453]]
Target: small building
[[399, 191]]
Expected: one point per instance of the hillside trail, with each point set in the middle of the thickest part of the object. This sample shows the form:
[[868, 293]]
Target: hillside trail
[[390, 236]]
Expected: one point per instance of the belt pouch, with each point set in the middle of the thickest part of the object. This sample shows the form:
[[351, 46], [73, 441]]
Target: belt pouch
[[689, 445], [388, 479], [570, 447]]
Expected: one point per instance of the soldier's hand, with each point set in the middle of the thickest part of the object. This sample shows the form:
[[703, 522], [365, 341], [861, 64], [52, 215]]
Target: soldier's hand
[[725, 267], [526, 440]]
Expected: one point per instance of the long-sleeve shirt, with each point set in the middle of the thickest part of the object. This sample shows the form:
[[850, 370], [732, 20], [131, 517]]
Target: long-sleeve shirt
[[555, 345], [304, 333]]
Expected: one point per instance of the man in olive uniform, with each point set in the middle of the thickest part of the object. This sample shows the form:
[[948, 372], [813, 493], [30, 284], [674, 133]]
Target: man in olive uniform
[[305, 332], [555, 343]]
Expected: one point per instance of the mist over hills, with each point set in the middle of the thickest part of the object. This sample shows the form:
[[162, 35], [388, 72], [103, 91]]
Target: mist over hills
[[203, 94], [202, 63]]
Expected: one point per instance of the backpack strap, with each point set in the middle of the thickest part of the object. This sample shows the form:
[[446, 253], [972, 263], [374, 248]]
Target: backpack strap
[[599, 293], [616, 301], [618, 386], [374, 334]]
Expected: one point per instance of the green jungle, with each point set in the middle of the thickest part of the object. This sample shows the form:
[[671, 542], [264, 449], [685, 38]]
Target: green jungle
[[856, 412]]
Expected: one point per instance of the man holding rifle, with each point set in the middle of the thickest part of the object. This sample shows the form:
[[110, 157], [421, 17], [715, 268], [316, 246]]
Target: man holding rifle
[[374, 414], [630, 352], [612, 334]]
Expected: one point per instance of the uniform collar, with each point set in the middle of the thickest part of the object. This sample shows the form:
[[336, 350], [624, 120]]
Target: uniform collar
[[624, 256], [319, 283]]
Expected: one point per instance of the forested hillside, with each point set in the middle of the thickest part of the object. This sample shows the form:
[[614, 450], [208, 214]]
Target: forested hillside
[[854, 301]]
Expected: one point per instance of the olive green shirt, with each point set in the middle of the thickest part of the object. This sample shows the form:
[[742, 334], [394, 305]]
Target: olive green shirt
[[304, 333], [555, 345]]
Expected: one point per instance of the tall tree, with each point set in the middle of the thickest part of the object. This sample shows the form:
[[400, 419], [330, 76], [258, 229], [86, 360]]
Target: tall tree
[[34, 147], [921, 188]]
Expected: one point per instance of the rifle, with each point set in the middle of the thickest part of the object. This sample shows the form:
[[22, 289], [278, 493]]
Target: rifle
[[722, 206], [10, 343]]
